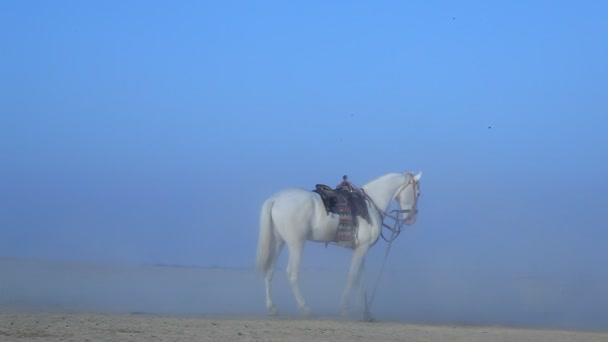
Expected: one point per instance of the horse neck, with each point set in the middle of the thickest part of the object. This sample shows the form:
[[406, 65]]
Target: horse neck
[[383, 189]]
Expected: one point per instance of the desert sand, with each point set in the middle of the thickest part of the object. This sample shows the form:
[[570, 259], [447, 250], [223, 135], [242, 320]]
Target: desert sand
[[37, 326], [60, 301]]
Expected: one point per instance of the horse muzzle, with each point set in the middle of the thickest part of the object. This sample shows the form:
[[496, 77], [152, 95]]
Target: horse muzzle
[[411, 217], [407, 216]]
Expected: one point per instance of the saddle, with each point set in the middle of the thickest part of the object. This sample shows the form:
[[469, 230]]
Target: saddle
[[349, 204]]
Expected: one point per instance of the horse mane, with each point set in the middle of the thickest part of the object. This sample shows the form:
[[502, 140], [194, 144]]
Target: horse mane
[[381, 178]]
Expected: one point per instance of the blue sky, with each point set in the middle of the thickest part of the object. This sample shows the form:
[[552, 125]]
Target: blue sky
[[151, 132]]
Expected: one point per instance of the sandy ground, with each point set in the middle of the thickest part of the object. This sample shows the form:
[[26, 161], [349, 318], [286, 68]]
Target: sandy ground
[[60, 301], [37, 326]]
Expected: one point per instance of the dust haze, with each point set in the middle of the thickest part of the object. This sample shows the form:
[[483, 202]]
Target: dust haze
[[408, 295]]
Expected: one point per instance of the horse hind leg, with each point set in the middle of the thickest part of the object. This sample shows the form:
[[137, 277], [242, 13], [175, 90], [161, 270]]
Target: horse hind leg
[[293, 271], [278, 246]]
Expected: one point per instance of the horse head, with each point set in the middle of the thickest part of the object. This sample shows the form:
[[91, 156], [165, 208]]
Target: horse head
[[407, 197]]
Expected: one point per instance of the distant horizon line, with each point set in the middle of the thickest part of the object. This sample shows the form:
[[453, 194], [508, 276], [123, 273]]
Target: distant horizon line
[[146, 264]]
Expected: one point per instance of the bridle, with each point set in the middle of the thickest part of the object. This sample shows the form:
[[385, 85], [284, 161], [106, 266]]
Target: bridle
[[398, 225], [414, 208]]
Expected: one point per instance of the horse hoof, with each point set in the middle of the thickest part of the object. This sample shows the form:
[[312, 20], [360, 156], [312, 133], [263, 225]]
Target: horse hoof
[[306, 311], [367, 317], [272, 311]]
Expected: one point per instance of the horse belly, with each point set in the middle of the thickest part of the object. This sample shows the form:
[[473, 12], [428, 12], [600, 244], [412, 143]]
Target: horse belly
[[325, 230]]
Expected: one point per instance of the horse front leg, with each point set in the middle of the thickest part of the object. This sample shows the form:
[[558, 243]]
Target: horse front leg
[[363, 300], [354, 277]]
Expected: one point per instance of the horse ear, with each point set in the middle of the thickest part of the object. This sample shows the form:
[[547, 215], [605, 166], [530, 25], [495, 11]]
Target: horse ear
[[418, 176]]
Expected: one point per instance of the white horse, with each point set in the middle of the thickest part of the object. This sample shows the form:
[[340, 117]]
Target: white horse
[[295, 215]]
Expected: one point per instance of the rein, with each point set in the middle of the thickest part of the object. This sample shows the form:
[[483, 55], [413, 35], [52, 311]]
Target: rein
[[395, 231], [397, 227]]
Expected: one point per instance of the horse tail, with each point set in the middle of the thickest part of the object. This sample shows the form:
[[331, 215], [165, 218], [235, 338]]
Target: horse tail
[[265, 249]]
